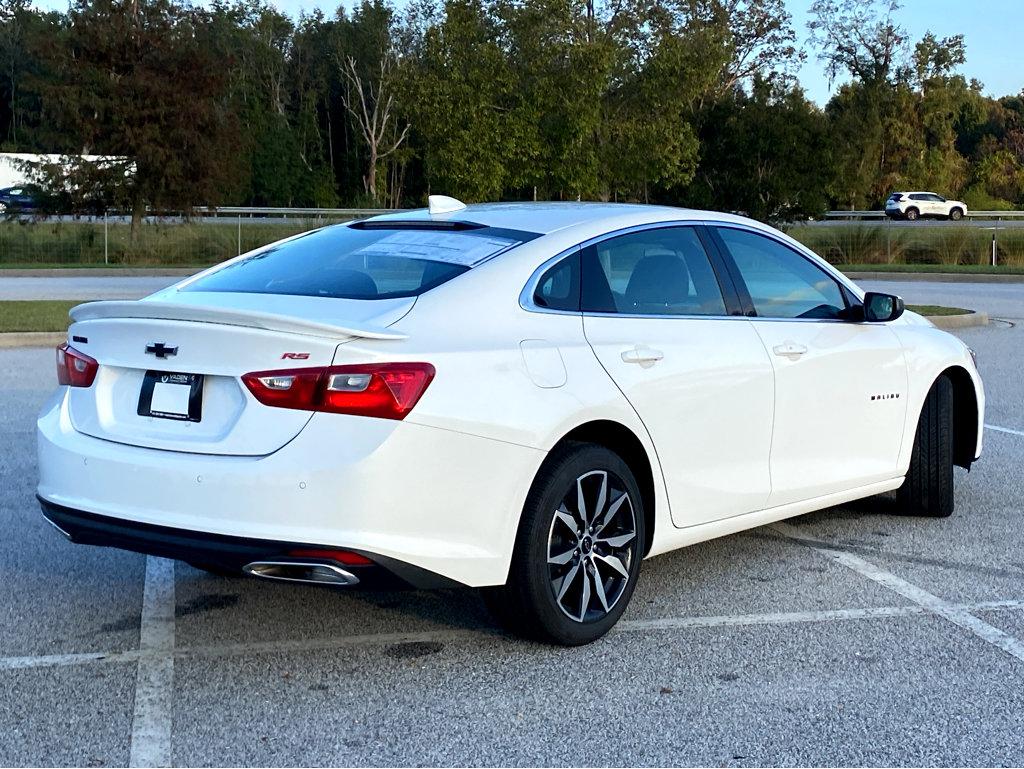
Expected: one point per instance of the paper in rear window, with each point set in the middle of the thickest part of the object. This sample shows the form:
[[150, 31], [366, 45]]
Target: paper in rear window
[[448, 247]]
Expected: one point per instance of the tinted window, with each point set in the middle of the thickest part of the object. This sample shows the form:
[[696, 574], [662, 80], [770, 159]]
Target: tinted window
[[918, 197], [781, 282], [559, 287], [350, 263], [653, 272]]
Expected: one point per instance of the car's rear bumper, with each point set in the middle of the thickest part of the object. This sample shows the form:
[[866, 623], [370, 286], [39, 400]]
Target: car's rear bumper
[[438, 500], [225, 552]]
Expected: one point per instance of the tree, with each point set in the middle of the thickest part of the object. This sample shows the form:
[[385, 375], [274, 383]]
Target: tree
[[758, 38], [22, 29], [461, 92], [133, 80], [858, 37], [766, 153], [372, 106]]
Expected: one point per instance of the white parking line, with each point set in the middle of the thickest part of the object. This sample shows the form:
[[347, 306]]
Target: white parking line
[[449, 636], [958, 615], [154, 686], [1004, 430]]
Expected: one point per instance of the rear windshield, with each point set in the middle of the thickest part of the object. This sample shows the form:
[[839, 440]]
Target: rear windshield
[[347, 262], [896, 196]]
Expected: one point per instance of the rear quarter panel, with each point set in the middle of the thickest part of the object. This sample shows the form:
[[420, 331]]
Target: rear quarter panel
[[473, 331]]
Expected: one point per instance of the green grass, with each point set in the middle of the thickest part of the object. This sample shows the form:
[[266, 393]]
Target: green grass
[[28, 244], [940, 248], [193, 245], [97, 266], [935, 309], [37, 315]]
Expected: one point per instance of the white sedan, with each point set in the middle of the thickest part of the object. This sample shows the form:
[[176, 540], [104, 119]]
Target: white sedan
[[526, 398]]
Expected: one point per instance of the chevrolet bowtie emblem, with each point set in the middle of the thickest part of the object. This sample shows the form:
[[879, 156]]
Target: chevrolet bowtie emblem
[[160, 350]]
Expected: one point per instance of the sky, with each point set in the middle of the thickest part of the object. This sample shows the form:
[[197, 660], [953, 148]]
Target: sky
[[992, 31]]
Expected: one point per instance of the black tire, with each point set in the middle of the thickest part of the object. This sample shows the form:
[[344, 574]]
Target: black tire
[[527, 604], [912, 214], [956, 214], [212, 568], [928, 488]]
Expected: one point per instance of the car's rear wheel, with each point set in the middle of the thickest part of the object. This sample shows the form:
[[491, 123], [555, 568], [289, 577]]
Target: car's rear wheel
[[578, 551], [912, 214], [928, 488], [956, 214]]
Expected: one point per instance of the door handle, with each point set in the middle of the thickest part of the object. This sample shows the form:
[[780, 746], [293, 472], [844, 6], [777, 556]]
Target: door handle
[[790, 350], [643, 355]]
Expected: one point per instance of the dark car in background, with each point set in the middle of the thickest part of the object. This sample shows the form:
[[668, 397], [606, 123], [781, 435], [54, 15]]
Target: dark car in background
[[17, 199]]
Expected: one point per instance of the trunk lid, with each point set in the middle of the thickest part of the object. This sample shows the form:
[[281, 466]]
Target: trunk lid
[[220, 337]]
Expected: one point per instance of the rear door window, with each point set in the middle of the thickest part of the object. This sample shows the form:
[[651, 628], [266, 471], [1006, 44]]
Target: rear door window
[[651, 272], [347, 262]]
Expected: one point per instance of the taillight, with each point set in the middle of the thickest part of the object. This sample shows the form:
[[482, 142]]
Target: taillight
[[385, 390], [75, 368]]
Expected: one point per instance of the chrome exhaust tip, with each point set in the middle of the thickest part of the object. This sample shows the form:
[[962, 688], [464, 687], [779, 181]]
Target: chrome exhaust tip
[[296, 571]]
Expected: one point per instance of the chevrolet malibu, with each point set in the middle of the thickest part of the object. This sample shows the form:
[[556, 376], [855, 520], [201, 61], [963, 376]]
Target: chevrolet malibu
[[526, 398]]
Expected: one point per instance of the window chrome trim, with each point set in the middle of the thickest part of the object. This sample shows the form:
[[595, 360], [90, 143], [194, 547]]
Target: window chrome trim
[[526, 295], [533, 283]]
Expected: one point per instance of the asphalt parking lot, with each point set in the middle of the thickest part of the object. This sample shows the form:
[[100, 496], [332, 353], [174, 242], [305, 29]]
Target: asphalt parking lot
[[849, 636]]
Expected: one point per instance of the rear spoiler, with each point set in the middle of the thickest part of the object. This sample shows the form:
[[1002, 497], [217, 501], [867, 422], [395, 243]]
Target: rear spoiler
[[225, 316]]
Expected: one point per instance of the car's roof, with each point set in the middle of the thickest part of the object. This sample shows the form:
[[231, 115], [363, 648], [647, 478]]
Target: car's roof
[[545, 218]]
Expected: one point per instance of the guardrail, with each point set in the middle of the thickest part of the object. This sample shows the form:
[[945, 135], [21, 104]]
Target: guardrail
[[882, 215], [296, 212]]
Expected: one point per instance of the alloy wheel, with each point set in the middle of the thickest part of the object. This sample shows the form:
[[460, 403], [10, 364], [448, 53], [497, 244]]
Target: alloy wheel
[[592, 545]]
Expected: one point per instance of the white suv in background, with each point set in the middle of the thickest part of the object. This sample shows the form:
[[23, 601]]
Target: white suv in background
[[914, 205]]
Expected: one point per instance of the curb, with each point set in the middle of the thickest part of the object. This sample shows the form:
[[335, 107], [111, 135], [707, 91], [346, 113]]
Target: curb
[[101, 272], [33, 339], [967, 320], [937, 277]]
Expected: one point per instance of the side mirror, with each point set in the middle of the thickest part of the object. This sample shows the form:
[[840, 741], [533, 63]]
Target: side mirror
[[879, 308]]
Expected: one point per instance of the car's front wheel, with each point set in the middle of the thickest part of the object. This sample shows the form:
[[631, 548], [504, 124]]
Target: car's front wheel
[[928, 488], [578, 551], [956, 214]]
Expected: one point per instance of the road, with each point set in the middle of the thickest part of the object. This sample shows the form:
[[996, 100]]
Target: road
[[850, 636], [1002, 224], [999, 300], [82, 287]]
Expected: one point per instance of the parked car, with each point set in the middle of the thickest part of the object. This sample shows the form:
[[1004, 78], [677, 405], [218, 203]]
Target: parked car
[[916, 205], [17, 199], [525, 398]]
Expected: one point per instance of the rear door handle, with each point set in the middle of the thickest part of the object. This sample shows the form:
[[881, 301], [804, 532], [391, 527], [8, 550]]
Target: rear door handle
[[790, 350], [643, 355]]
